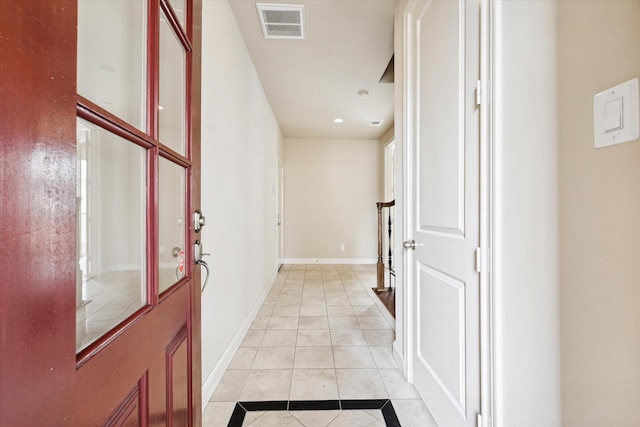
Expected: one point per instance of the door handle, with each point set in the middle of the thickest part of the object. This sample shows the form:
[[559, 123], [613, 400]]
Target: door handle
[[198, 254], [200, 221], [206, 278], [411, 244]]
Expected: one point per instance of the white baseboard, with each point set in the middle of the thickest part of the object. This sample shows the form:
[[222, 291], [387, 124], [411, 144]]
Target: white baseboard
[[383, 310], [210, 384], [330, 260]]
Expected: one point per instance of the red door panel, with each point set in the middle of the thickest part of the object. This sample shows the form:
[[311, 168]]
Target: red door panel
[[37, 211]]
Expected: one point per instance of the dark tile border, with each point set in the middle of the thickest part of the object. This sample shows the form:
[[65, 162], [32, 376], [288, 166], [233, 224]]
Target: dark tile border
[[384, 405], [313, 405]]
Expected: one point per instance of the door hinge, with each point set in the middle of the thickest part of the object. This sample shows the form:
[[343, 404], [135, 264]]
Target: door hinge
[[478, 260], [479, 420], [478, 92]]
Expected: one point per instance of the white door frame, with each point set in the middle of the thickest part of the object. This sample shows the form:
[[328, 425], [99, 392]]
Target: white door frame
[[486, 214], [405, 187], [280, 213], [389, 168]]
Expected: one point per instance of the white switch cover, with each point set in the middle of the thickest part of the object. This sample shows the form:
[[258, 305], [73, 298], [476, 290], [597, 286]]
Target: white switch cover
[[616, 115], [613, 115]]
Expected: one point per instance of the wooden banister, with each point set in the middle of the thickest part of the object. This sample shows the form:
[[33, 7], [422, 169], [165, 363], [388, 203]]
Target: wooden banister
[[380, 264]]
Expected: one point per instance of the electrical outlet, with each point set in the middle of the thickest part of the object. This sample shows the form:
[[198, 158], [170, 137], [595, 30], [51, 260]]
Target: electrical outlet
[[341, 247]]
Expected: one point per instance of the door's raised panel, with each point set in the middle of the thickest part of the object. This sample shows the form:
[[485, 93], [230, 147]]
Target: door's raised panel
[[132, 412], [177, 384], [115, 367], [441, 340], [440, 106]]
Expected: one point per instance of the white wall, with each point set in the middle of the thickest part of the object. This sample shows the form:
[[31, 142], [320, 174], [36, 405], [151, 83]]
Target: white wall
[[525, 268], [240, 145], [599, 47], [331, 190]]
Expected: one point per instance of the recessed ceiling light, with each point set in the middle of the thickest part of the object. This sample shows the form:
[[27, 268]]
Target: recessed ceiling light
[[364, 94], [338, 120]]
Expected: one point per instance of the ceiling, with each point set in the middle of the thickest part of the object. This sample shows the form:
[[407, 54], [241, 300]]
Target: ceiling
[[310, 82]]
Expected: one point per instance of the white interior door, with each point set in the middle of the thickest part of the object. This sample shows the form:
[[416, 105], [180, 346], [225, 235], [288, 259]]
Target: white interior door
[[443, 173]]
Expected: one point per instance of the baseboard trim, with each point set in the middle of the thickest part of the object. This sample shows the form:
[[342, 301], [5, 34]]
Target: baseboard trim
[[383, 310], [398, 358], [330, 260], [213, 379]]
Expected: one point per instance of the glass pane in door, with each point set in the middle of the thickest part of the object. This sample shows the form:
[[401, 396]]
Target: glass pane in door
[[111, 212], [171, 114], [112, 57], [171, 202]]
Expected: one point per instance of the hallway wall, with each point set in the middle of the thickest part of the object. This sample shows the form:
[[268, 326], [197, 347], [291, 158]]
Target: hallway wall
[[599, 220], [567, 218], [240, 145], [331, 190]]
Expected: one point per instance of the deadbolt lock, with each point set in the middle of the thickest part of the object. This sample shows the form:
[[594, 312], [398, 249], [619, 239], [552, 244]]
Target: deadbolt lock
[[199, 221]]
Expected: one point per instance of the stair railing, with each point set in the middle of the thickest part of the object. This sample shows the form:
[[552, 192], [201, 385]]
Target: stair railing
[[380, 265]]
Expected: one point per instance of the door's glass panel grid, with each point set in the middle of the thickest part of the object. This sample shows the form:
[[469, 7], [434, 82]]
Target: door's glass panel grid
[[171, 235], [112, 57], [111, 211], [172, 76], [180, 9], [441, 139]]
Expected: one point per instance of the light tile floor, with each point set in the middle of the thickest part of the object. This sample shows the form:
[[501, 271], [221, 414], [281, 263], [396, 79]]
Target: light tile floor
[[318, 336], [108, 300]]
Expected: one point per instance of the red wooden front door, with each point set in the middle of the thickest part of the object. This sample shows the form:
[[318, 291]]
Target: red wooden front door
[[58, 364]]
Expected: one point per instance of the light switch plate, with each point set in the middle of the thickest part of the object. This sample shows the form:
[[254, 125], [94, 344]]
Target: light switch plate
[[616, 117], [613, 115]]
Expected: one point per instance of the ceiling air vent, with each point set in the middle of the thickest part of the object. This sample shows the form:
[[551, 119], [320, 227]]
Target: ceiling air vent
[[375, 123], [281, 21]]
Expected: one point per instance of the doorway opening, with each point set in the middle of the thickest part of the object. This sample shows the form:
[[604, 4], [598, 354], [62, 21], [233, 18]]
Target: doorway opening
[[386, 285]]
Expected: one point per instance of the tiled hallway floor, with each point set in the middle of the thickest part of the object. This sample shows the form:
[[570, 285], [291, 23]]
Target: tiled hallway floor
[[318, 336]]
